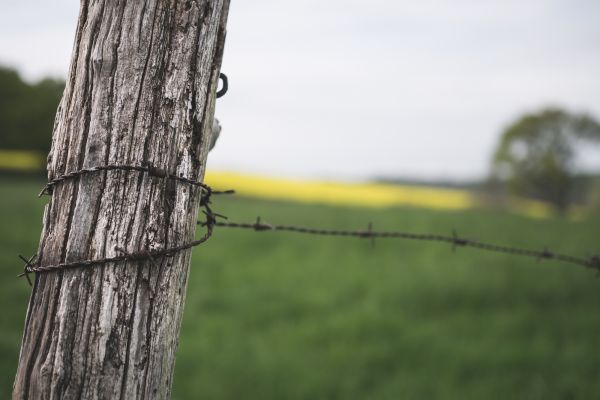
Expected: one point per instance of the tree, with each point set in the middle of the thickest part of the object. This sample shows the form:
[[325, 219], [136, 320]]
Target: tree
[[537, 154], [27, 111], [141, 89]]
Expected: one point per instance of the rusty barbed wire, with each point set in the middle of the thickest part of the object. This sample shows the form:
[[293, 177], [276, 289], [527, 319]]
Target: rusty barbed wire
[[32, 265], [592, 262], [148, 169]]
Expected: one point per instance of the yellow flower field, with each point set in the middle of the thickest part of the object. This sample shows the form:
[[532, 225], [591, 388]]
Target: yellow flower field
[[352, 194], [21, 160], [323, 192], [362, 194]]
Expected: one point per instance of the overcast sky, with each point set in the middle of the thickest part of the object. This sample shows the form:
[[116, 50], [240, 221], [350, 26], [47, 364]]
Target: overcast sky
[[348, 89]]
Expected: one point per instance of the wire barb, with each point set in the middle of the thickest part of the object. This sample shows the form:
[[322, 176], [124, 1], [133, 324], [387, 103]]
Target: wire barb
[[545, 254], [261, 226], [368, 234], [27, 267], [457, 241]]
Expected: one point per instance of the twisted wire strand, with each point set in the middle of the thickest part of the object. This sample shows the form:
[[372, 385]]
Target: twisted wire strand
[[592, 262], [32, 264], [150, 170], [139, 256]]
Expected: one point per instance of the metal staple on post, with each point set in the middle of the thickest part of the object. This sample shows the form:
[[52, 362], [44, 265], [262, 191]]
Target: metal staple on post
[[225, 87]]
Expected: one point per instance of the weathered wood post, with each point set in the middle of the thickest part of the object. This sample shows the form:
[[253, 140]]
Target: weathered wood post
[[141, 89]]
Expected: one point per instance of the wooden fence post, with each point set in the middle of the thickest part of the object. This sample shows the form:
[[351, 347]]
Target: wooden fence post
[[140, 90]]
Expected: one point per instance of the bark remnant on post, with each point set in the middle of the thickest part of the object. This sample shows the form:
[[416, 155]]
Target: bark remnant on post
[[141, 89]]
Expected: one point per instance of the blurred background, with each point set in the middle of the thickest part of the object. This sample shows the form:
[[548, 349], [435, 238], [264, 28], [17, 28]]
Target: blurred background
[[421, 116]]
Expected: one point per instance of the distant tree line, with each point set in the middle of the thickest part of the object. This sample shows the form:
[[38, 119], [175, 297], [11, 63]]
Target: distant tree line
[[27, 111]]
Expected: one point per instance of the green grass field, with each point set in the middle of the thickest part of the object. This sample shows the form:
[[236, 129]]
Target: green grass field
[[286, 316]]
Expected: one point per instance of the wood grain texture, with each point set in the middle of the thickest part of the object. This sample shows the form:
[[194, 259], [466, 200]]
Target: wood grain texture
[[141, 88]]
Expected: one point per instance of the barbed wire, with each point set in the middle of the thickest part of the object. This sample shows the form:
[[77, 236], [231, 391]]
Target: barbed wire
[[148, 169], [32, 265], [125, 256], [592, 262]]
